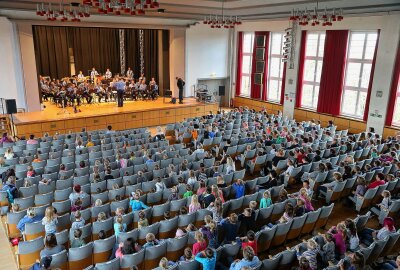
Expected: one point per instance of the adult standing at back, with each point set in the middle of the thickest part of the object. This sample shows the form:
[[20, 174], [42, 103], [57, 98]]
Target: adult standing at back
[[180, 83]]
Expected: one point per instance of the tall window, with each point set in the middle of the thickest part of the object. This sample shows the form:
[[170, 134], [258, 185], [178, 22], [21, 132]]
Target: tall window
[[312, 69], [275, 69], [360, 55], [248, 39], [396, 112]]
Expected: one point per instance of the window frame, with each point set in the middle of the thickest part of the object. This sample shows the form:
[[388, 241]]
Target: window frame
[[281, 66], [359, 89], [315, 59], [396, 104], [247, 75]]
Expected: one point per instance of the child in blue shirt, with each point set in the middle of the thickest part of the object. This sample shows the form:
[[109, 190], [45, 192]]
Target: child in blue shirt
[[136, 204], [207, 258]]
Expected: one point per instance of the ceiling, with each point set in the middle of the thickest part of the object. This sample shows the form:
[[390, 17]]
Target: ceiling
[[181, 12]]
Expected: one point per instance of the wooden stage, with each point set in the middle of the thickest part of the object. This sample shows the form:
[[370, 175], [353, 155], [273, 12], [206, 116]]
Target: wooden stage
[[133, 114]]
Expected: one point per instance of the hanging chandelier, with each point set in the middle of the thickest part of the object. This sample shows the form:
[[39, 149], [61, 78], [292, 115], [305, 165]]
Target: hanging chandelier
[[316, 17], [117, 7], [222, 21], [74, 12]]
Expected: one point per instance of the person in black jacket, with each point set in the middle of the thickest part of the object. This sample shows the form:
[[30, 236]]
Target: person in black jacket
[[180, 83]]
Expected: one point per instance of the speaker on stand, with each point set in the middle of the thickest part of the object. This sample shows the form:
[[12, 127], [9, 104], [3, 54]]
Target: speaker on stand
[[221, 93], [11, 108]]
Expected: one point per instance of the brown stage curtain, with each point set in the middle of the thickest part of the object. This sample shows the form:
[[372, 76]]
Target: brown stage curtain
[[165, 52], [51, 51], [95, 47], [132, 51], [150, 45]]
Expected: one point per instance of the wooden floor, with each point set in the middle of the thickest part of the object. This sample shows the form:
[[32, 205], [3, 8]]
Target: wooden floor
[[54, 113]]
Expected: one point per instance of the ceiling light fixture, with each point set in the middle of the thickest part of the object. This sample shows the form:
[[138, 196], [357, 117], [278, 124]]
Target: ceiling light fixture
[[222, 21], [316, 17], [74, 12]]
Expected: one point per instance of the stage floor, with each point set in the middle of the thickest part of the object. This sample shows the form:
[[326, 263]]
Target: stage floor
[[134, 114], [54, 113]]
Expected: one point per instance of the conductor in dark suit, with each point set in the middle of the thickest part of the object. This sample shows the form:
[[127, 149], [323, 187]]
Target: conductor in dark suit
[[180, 83], [120, 85]]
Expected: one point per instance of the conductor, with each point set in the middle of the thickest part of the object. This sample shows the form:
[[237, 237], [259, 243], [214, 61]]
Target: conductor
[[119, 84], [180, 83]]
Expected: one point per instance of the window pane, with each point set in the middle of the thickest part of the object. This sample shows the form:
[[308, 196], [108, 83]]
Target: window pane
[[245, 88], [315, 98], [353, 74], [276, 45], [349, 101], [396, 115], [309, 70], [246, 67], [307, 96], [273, 90], [361, 104], [274, 67], [370, 48], [356, 45], [365, 76], [312, 42], [319, 71], [321, 45], [248, 42]]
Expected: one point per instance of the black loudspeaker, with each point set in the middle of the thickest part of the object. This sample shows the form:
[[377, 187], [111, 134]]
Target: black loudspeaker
[[221, 90], [11, 106]]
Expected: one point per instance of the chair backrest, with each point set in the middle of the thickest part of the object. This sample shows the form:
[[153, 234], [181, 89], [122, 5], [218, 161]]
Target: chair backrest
[[29, 251], [110, 265], [154, 254], [175, 247], [80, 257], [130, 260], [272, 263], [60, 260], [191, 265]]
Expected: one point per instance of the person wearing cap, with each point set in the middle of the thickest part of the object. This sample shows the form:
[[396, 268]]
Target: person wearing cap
[[77, 193], [30, 217]]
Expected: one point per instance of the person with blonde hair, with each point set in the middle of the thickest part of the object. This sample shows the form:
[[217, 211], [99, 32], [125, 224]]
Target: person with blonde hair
[[195, 204], [200, 244], [310, 254], [249, 260], [50, 220], [119, 226], [266, 200], [218, 194], [303, 195], [164, 264], [30, 217], [150, 240], [230, 165]]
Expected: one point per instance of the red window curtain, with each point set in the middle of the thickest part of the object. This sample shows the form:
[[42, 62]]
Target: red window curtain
[[303, 45], [371, 79], [239, 63], [256, 91], [265, 76], [283, 84], [333, 70], [393, 91]]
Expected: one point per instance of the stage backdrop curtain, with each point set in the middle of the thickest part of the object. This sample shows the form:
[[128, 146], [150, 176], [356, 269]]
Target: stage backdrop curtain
[[165, 61], [283, 84], [333, 70], [95, 47], [150, 46], [132, 51], [256, 91], [371, 79], [303, 45], [239, 63], [393, 91], [51, 51]]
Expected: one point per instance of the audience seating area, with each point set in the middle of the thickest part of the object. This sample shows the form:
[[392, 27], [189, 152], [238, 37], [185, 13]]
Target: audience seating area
[[234, 132]]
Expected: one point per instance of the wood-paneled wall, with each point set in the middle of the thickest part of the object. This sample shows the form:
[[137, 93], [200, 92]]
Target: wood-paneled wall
[[257, 104], [117, 121]]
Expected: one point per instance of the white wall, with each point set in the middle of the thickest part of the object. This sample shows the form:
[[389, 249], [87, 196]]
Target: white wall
[[176, 57], [207, 55], [10, 66]]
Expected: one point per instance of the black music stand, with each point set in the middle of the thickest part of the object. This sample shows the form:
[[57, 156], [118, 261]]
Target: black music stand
[[168, 94]]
